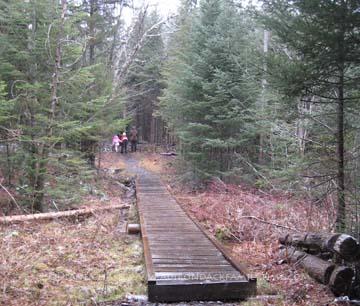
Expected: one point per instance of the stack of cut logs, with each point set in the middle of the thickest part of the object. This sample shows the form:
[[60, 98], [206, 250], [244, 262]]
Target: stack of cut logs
[[332, 259]]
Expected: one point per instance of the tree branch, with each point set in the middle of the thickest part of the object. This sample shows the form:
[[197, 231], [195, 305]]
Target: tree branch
[[270, 223]]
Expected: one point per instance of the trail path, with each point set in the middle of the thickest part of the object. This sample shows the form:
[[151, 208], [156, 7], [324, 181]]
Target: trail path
[[183, 263]]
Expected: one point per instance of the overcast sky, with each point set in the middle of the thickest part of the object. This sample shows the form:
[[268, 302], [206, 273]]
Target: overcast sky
[[166, 7]]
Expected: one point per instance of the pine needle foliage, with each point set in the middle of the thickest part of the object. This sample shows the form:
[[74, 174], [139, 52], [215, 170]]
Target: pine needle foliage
[[208, 93]]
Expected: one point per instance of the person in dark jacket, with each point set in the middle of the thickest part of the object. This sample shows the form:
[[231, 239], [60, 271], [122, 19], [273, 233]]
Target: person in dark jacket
[[124, 142], [133, 136]]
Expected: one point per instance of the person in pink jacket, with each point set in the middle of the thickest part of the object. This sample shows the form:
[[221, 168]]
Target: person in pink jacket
[[115, 142]]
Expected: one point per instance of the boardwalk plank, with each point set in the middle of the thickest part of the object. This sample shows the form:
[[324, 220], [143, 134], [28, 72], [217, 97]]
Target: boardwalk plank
[[182, 262]]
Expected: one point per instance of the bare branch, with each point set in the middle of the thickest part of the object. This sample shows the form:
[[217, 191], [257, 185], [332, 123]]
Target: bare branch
[[12, 198], [270, 223]]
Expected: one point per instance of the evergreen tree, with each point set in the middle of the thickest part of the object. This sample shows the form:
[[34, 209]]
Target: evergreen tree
[[208, 98], [323, 39]]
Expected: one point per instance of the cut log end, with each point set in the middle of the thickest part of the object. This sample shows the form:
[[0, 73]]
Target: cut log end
[[344, 245], [133, 229], [340, 280]]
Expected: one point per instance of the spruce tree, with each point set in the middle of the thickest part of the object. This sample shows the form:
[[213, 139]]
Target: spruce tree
[[323, 37], [208, 93]]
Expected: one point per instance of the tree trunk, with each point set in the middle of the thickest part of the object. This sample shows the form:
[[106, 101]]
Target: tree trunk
[[41, 151], [344, 245], [36, 177], [262, 99], [341, 213], [9, 164], [291, 255], [93, 8], [341, 209]]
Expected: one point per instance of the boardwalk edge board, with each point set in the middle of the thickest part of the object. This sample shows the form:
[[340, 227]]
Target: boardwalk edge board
[[175, 275]]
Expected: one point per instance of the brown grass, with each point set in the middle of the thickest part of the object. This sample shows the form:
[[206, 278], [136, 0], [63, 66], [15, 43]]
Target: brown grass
[[63, 263]]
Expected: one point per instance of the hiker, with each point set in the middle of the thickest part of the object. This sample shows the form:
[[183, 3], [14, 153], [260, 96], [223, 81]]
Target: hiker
[[115, 142], [124, 141], [133, 138]]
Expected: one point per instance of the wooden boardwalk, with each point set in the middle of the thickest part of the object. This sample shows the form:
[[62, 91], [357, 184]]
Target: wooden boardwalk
[[182, 262]]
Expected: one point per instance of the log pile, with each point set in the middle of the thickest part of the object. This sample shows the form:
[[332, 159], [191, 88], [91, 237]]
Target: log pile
[[331, 259]]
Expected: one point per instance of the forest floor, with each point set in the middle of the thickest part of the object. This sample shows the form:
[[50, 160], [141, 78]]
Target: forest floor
[[85, 261], [91, 261]]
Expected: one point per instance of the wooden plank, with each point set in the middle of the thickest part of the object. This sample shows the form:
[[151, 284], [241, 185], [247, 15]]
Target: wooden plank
[[189, 261], [183, 244], [167, 248], [199, 265], [216, 276], [194, 269], [194, 292], [192, 253], [185, 256]]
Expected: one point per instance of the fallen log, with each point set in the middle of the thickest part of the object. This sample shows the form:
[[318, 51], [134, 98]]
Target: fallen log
[[317, 268], [312, 242], [60, 214], [340, 280], [344, 245], [168, 153], [291, 255]]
